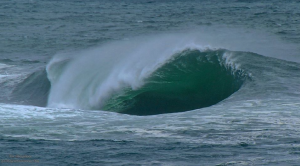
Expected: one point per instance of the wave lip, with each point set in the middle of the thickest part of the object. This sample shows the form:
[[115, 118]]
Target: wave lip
[[190, 80]]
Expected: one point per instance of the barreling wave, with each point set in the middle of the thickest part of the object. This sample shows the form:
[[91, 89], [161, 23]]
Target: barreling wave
[[179, 81]]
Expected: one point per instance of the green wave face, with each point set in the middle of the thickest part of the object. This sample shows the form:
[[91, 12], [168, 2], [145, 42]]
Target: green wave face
[[190, 80]]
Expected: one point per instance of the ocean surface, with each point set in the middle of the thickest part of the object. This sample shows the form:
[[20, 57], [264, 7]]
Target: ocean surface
[[150, 82]]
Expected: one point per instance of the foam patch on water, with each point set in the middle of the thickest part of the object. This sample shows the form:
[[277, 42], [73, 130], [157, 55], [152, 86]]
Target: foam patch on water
[[216, 125]]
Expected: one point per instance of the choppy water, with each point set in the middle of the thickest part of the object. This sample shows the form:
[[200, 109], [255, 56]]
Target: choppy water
[[219, 81]]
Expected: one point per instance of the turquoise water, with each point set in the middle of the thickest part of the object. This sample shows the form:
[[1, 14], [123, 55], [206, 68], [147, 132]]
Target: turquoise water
[[149, 82]]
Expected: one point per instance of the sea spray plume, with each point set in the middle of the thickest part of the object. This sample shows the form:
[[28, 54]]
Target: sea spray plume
[[89, 79]]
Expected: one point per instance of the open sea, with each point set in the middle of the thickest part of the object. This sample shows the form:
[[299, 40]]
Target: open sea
[[150, 83]]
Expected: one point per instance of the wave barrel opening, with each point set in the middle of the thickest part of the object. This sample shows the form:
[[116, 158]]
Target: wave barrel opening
[[190, 80]]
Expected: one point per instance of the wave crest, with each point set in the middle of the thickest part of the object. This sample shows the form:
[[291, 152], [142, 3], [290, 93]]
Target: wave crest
[[169, 81]]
